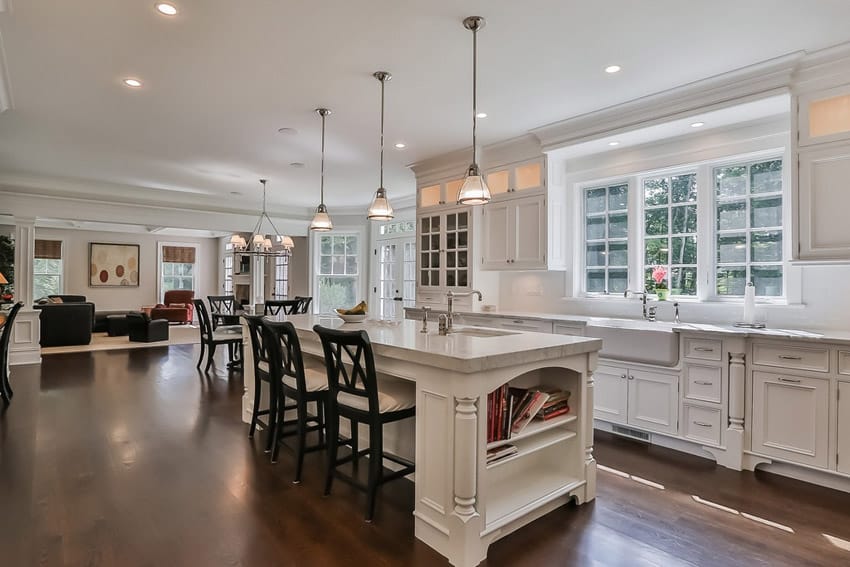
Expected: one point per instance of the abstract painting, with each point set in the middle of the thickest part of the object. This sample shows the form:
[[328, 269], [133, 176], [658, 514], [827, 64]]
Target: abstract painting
[[113, 265]]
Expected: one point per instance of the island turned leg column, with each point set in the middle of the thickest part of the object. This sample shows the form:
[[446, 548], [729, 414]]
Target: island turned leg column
[[466, 545], [737, 390], [589, 461], [247, 374]]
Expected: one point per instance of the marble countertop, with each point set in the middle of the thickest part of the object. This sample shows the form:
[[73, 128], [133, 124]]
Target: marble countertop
[[822, 336], [458, 352]]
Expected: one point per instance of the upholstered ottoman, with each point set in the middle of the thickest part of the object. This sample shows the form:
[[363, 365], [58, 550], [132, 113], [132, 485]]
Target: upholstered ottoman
[[116, 325]]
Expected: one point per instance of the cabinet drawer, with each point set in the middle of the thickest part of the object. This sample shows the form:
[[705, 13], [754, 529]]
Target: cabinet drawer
[[533, 325], [702, 424], [703, 383], [844, 362], [800, 358], [576, 331], [703, 349]]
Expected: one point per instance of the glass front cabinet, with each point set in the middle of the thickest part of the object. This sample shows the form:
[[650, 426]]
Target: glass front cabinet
[[444, 251]]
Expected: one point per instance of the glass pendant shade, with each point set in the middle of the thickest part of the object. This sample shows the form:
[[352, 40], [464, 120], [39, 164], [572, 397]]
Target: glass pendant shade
[[380, 209], [474, 190], [321, 221]]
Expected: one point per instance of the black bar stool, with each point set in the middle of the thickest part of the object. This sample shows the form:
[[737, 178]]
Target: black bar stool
[[357, 394], [275, 306], [262, 373], [295, 382]]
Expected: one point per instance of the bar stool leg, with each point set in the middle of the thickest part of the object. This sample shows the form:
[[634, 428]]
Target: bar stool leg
[[355, 438], [333, 446], [376, 443]]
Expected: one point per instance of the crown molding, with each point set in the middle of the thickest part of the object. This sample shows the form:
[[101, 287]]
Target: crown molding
[[823, 68], [757, 81]]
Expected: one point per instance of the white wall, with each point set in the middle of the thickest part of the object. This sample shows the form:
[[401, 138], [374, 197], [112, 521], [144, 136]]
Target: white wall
[[819, 298], [76, 265]]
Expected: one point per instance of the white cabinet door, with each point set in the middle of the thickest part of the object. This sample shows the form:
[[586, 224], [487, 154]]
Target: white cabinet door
[[654, 401], [844, 427], [791, 417], [527, 218], [824, 187], [610, 394], [497, 237]]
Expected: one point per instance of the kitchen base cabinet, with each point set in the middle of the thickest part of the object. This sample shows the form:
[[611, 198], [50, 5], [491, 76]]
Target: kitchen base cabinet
[[791, 418], [649, 400], [843, 460]]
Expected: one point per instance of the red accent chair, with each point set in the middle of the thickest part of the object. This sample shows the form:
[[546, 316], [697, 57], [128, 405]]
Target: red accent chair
[[177, 308]]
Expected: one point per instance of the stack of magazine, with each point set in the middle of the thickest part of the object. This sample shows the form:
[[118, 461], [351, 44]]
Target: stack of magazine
[[510, 410]]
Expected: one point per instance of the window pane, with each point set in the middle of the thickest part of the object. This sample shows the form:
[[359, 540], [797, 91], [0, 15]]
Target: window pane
[[596, 281], [731, 281], [618, 198], [618, 281], [595, 255], [731, 248], [684, 188], [732, 216], [595, 201], [766, 246], [618, 254], [657, 252], [766, 177], [655, 191], [618, 226], [188, 269], [335, 292], [595, 228], [338, 265], [351, 265], [351, 245], [683, 281], [655, 221], [325, 265], [339, 245], [684, 219], [766, 211], [326, 244], [731, 181], [683, 250], [167, 269], [768, 280]]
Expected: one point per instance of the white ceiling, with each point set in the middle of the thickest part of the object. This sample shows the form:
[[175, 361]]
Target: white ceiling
[[222, 76]]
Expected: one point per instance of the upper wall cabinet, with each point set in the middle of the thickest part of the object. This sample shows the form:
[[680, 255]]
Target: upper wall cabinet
[[440, 194], [823, 174], [507, 181]]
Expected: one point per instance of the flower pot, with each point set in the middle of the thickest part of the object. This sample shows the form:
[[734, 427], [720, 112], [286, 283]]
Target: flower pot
[[662, 294]]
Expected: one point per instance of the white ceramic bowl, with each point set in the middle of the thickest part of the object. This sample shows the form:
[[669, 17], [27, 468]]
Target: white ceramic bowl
[[352, 318]]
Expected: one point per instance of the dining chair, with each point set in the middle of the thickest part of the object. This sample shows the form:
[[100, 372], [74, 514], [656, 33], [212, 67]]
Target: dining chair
[[304, 307], [211, 338], [8, 326], [222, 308], [356, 393], [287, 306], [297, 383]]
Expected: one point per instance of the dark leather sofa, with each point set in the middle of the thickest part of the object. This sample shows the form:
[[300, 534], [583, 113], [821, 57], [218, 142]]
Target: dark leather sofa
[[143, 329], [67, 323]]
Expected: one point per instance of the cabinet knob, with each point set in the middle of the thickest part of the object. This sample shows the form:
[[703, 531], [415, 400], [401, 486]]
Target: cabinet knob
[[507, 261], [624, 376], [631, 377]]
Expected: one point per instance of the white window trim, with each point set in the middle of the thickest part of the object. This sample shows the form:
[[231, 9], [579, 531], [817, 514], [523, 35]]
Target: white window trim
[[362, 276], [62, 275], [196, 277], [792, 274]]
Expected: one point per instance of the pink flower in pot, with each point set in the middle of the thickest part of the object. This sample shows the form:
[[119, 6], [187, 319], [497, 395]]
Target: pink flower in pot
[[659, 273]]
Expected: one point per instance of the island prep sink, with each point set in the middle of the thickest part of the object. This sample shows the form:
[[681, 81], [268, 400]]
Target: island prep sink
[[636, 340], [480, 332]]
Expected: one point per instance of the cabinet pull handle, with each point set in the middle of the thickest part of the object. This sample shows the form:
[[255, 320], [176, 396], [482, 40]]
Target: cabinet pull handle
[[790, 380], [789, 357], [703, 383], [703, 349], [702, 424]]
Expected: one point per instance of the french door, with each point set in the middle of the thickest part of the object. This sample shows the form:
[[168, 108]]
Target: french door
[[396, 269]]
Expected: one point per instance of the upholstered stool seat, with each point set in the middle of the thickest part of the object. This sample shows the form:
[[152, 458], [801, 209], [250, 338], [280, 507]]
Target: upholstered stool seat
[[314, 380], [393, 395]]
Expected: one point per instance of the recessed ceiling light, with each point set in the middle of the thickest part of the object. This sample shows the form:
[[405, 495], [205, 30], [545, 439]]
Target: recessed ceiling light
[[401, 146], [134, 83], [288, 131], [613, 69], [614, 143], [481, 115], [166, 8], [296, 164], [697, 124], [236, 192]]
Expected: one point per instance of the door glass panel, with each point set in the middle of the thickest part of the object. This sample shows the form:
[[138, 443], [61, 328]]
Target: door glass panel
[[529, 176], [829, 116], [452, 190], [429, 196], [498, 181]]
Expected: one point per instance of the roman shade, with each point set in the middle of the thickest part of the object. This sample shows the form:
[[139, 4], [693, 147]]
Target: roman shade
[[178, 254], [48, 249]]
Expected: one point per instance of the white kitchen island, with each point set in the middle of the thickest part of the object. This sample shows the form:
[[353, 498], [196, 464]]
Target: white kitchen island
[[462, 503]]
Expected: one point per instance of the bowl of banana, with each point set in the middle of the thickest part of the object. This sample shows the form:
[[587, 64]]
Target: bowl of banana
[[356, 314]]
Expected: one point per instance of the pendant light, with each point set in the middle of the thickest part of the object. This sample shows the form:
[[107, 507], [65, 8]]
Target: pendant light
[[380, 209], [260, 244], [474, 190], [322, 221]]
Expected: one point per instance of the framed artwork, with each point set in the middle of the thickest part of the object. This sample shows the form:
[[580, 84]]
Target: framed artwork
[[113, 265]]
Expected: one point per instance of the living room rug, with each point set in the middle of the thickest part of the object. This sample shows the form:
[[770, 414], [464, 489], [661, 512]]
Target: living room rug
[[178, 335]]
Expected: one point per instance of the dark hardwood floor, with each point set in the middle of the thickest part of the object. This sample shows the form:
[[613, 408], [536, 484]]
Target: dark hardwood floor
[[133, 458]]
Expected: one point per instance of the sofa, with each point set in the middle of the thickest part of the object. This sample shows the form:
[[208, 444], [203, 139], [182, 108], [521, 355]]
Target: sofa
[[176, 307], [64, 324], [143, 329]]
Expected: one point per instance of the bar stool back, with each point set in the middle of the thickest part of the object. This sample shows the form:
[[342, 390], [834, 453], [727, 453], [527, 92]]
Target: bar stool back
[[357, 394], [288, 306], [262, 374]]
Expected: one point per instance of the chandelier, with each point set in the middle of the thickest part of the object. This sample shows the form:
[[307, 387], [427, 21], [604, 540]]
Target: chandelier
[[261, 243]]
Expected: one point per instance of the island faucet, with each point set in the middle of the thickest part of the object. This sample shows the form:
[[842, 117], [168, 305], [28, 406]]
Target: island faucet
[[643, 299], [450, 295]]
